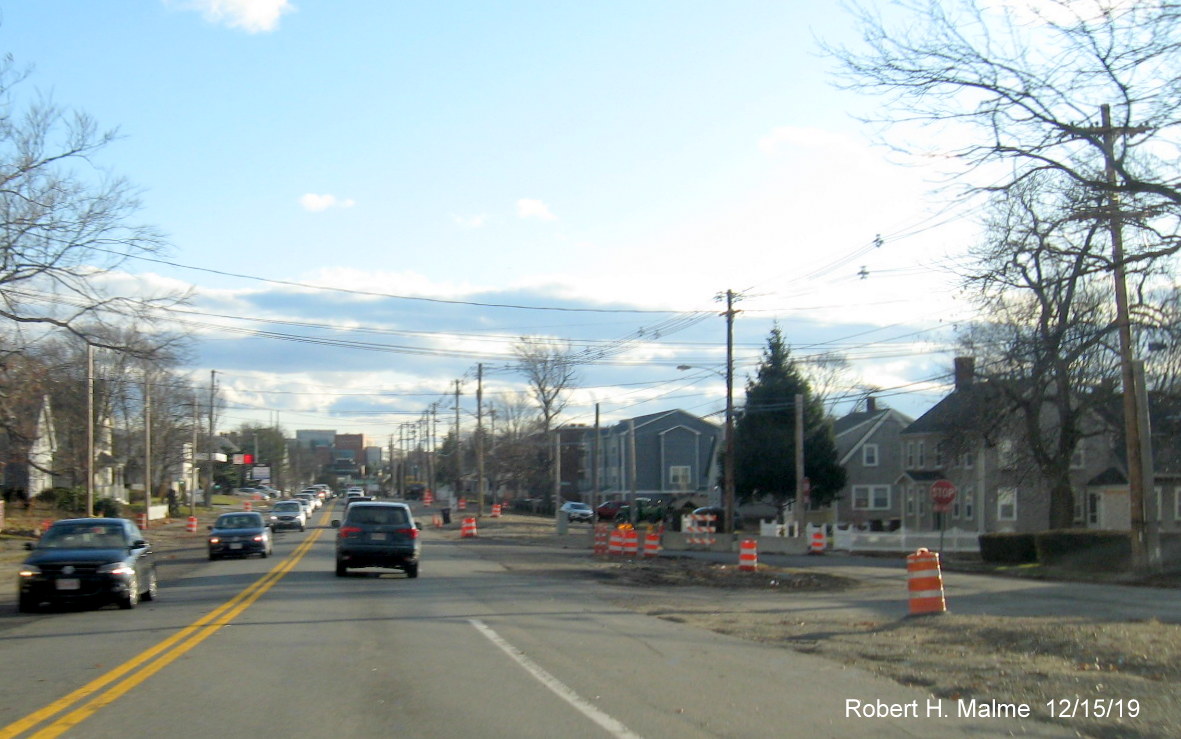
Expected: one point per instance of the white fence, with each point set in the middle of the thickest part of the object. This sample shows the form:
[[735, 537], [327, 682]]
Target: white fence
[[846, 538]]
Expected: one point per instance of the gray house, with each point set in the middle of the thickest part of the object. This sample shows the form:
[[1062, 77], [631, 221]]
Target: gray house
[[670, 453], [870, 448]]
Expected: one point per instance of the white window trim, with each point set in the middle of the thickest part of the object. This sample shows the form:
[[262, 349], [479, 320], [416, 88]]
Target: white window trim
[[869, 493], [870, 455], [969, 495], [1006, 497]]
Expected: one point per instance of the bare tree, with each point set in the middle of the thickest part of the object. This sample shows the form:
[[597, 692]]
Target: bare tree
[[63, 221], [1007, 90], [548, 366], [1047, 342]]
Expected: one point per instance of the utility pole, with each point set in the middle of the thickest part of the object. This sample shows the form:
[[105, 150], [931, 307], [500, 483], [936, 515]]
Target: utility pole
[[1135, 444], [631, 455], [458, 448], [89, 430], [799, 463], [195, 480], [212, 393], [595, 464], [147, 450], [728, 471], [480, 439]]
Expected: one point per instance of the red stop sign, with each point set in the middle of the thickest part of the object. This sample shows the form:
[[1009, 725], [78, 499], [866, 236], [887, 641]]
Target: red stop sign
[[942, 495]]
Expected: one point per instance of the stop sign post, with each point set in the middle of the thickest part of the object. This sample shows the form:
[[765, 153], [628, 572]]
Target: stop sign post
[[942, 496]]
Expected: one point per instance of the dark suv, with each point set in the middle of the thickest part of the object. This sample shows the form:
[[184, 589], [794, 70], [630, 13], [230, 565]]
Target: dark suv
[[377, 534]]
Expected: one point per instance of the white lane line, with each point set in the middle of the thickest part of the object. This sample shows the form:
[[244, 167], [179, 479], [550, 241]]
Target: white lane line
[[612, 726]]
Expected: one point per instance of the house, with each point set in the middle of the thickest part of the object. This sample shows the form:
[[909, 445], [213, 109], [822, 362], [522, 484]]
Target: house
[[28, 444], [869, 444], [672, 453], [997, 487]]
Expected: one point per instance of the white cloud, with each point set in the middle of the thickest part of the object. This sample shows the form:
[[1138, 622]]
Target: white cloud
[[315, 203], [530, 208], [252, 16]]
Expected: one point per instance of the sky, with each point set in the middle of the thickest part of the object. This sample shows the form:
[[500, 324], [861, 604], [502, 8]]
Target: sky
[[369, 199]]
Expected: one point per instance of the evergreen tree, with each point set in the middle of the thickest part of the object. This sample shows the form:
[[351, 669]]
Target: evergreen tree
[[764, 434]]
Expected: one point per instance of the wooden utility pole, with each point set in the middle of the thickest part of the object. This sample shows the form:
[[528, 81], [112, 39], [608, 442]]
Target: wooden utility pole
[[147, 450], [798, 507], [595, 448], [458, 449], [89, 430], [728, 471], [212, 393], [480, 439], [1135, 444]]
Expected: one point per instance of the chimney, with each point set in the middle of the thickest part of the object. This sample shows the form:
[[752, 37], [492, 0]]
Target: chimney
[[965, 372], [871, 405]]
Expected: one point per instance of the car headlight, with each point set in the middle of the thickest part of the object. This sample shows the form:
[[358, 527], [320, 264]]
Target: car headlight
[[29, 571], [116, 568], [214, 540]]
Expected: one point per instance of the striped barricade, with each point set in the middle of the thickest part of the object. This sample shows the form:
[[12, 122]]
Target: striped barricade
[[924, 583]]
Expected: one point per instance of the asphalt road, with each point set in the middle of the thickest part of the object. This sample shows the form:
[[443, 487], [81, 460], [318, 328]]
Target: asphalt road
[[282, 647]]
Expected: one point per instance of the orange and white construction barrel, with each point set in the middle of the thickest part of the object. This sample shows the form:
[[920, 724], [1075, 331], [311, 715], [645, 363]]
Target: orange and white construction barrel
[[924, 583], [652, 544], [191, 525], [818, 542], [748, 555], [468, 530]]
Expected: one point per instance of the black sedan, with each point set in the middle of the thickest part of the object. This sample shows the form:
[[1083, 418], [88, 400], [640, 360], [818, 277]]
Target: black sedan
[[91, 560], [238, 535]]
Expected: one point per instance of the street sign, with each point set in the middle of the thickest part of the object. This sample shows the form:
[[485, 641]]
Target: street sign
[[942, 496]]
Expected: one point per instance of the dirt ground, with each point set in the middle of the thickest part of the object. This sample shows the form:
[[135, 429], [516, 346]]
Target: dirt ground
[[1009, 660]]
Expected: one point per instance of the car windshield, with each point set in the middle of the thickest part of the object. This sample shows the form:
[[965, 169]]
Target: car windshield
[[378, 515], [578, 506], [84, 536], [240, 521], [288, 506]]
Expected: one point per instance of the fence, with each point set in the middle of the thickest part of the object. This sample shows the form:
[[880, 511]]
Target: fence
[[846, 538]]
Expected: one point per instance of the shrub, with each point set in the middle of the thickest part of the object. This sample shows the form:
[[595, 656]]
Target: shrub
[[1086, 549], [1008, 548], [108, 507]]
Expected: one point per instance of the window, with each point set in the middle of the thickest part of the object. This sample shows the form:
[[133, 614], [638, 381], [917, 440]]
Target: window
[[969, 496], [920, 497], [1093, 501], [1080, 507], [910, 455], [871, 497], [869, 455], [922, 454], [939, 454], [968, 460], [955, 507], [680, 477], [1006, 504], [1078, 460], [909, 502]]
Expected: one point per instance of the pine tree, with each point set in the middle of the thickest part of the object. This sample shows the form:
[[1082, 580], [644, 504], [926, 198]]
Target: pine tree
[[764, 434]]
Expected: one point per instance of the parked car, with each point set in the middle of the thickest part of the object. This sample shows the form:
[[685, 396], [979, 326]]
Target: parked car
[[251, 491], [287, 514], [576, 511], [377, 534], [239, 534], [608, 510], [99, 560]]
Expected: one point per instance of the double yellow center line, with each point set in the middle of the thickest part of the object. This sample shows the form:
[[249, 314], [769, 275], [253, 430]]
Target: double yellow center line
[[106, 689]]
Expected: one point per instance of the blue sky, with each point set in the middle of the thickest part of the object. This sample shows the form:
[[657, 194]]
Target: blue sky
[[627, 157]]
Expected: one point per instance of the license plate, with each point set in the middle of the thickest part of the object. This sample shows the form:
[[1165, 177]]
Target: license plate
[[69, 583], [236, 545], [377, 537]]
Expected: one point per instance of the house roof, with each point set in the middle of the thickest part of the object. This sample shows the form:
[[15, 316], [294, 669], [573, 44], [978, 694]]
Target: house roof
[[924, 475], [961, 409]]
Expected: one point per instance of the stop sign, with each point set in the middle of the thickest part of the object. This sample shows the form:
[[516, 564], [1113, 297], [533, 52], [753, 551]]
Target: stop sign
[[942, 495]]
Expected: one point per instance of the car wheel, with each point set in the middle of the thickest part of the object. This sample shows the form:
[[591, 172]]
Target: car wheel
[[27, 604], [341, 570], [131, 599], [412, 570], [153, 588]]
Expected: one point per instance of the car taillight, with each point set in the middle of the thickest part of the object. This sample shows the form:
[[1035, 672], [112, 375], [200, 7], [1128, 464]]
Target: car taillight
[[412, 533], [349, 530]]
